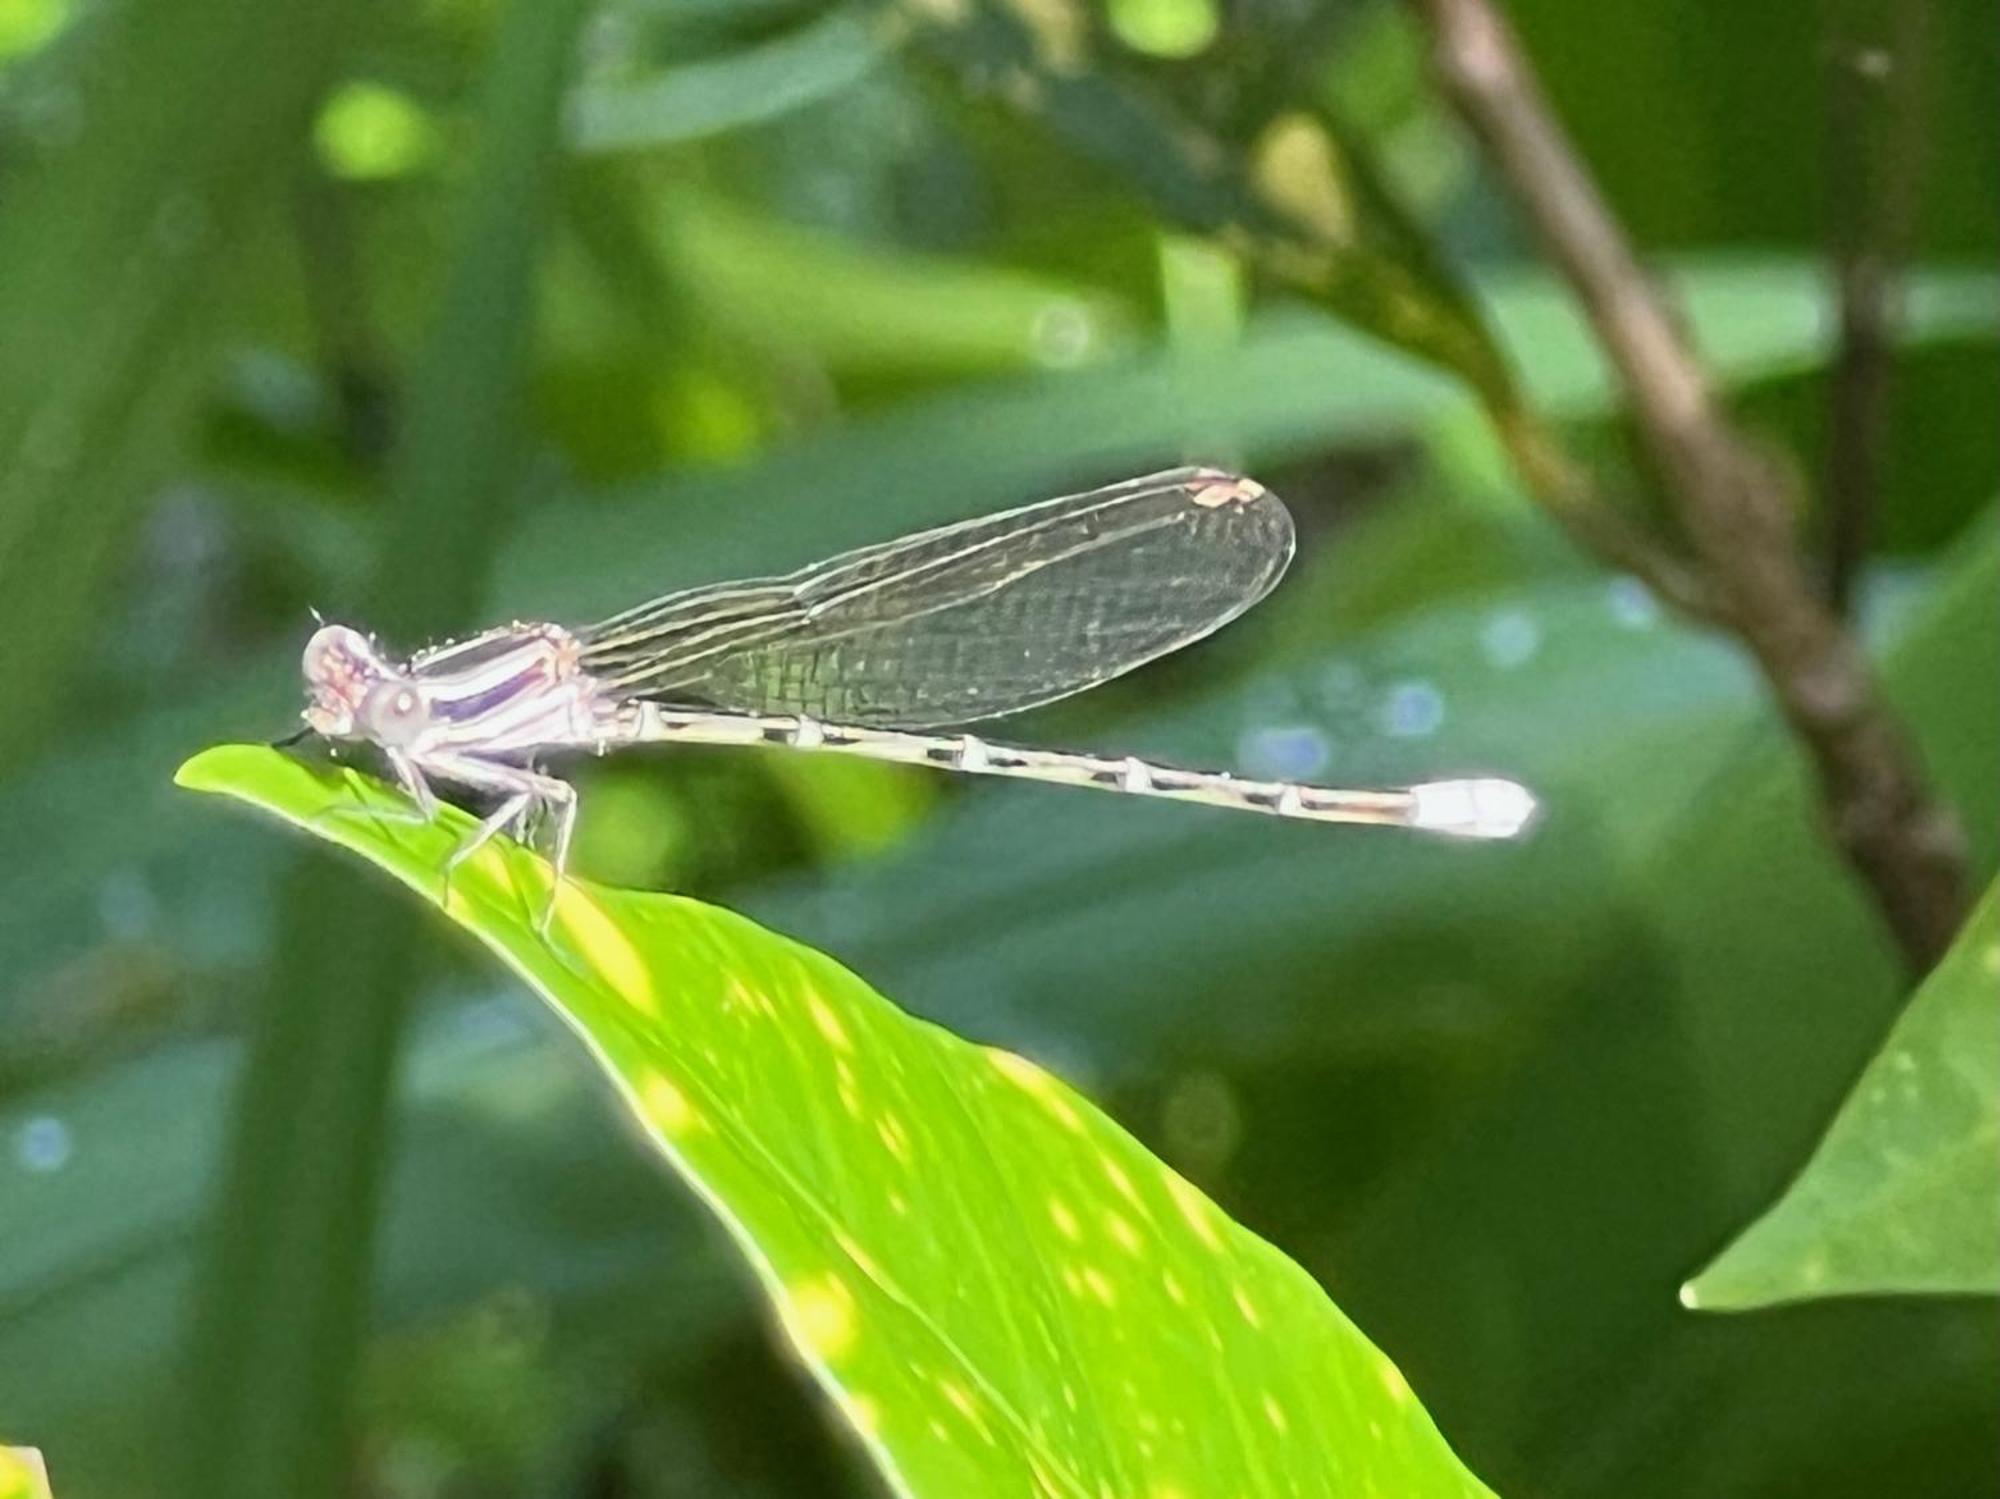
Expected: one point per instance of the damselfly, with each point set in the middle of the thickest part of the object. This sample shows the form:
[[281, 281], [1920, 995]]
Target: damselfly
[[873, 652]]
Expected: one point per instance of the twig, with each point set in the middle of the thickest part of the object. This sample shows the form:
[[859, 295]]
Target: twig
[[1570, 493], [1874, 129], [1565, 489], [1730, 497]]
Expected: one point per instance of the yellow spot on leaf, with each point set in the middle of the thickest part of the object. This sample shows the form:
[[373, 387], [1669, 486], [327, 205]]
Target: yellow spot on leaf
[[1275, 1414], [964, 1403], [1393, 1381], [1197, 1209], [667, 1106], [605, 947], [895, 1139], [1100, 1285], [1048, 1483], [1248, 1308], [863, 1412], [828, 1023], [856, 1253], [1044, 1089], [1176, 1292], [1122, 1181], [819, 1314], [1122, 1231], [1064, 1219]]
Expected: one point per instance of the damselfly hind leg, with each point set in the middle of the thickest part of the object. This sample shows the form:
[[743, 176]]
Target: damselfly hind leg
[[506, 818], [557, 798], [522, 794], [563, 805]]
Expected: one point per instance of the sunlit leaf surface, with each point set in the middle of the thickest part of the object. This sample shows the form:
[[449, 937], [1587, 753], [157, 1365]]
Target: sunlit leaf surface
[[1003, 1292], [22, 1475], [1900, 1194]]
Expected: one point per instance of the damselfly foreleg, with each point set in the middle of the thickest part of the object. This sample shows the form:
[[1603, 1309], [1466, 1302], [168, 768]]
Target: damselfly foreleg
[[523, 793], [423, 812]]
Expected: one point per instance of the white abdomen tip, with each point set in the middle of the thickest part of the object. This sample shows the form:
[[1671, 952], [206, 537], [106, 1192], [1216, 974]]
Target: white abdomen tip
[[1473, 809]]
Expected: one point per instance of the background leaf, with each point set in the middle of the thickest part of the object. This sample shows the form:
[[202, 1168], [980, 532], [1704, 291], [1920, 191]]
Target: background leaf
[[1899, 1195], [1073, 1317], [686, 101]]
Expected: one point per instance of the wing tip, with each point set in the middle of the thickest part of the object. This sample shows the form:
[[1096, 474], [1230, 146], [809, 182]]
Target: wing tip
[[1213, 488]]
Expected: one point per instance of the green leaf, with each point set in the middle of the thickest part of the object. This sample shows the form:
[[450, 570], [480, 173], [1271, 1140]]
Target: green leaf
[[1899, 1195], [1002, 1291], [1753, 316], [822, 58], [861, 307], [22, 1475]]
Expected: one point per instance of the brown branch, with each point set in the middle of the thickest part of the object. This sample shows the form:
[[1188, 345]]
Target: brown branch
[[1299, 249], [1874, 129], [1569, 493], [1730, 498]]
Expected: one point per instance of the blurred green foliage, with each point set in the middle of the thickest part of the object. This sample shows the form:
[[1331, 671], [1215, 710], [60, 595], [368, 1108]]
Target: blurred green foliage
[[808, 276]]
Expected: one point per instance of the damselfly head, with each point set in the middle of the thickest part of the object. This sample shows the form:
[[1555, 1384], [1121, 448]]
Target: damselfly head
[[342, 667]]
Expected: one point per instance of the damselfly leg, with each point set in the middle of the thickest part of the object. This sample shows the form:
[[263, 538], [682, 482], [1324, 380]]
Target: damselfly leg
[[421, 814], [523, 793]]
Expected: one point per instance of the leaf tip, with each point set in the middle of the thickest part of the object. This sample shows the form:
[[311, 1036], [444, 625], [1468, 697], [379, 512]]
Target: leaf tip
[[211, 769], [1725, 1284]]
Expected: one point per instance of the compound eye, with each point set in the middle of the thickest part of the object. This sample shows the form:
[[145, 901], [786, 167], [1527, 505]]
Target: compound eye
[[394, 713]]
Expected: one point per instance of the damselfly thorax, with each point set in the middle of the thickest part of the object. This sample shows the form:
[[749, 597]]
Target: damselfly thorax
[[877, 652]]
